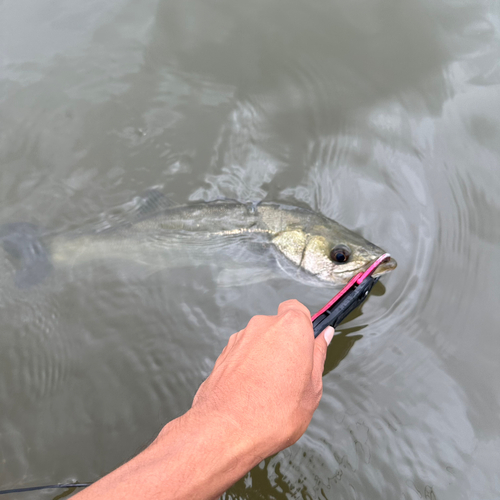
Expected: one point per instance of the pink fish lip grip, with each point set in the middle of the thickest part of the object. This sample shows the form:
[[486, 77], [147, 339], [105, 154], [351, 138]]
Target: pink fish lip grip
[[350, 297]]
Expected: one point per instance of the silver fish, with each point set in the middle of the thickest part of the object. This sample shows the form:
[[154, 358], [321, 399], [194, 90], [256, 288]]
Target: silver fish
[[306, 244]]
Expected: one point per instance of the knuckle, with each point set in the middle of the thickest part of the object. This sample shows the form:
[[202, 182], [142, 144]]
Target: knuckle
[[232, 340], [256, 321], [293, 304], [257, 327], [294, 316], [296, 324]]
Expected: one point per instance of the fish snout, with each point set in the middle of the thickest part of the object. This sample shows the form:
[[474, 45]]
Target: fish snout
[[385, 267]]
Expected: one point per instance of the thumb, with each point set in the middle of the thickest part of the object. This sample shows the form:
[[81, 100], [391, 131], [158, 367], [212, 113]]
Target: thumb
[[321, 344]]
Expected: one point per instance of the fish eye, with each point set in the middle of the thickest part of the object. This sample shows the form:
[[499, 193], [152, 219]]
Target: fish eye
[[340, 254]]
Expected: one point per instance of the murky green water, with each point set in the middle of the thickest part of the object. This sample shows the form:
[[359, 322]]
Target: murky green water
[[382, 115]]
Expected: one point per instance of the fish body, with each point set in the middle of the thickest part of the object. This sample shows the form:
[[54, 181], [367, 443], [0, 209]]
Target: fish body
[[303, 241]]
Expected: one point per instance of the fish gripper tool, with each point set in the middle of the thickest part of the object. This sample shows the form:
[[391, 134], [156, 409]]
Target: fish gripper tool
[[350, 297]]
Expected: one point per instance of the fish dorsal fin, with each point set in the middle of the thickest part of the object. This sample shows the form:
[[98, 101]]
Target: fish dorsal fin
[[153, 201]]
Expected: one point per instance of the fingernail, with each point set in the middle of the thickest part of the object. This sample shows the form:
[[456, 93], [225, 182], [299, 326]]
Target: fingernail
[[328, 334]]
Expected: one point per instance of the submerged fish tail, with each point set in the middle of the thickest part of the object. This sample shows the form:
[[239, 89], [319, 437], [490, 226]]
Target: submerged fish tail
[[21, 241]]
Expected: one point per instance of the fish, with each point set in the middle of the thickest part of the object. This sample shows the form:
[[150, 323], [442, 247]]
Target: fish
[[305, 244]]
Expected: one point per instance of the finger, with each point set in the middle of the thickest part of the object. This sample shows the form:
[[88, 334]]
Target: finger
[[321, 344], [294, 305]]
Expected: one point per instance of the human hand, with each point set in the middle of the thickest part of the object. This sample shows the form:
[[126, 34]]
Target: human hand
[[259, 399], [268, 380]]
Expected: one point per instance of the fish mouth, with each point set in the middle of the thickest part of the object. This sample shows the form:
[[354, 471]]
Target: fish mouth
[[385, 267]]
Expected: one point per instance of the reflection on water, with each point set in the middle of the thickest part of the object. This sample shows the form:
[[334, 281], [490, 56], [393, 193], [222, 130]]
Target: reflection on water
[[383, 116]]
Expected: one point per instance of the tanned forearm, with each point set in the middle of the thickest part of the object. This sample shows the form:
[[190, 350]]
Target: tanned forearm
[[195, 457], [258, 400]]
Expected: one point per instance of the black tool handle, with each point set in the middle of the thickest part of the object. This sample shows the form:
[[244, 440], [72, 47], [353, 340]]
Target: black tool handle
[[345, 305]]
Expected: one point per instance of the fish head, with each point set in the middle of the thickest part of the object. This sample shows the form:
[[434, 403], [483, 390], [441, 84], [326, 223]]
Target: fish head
[[330, 252]]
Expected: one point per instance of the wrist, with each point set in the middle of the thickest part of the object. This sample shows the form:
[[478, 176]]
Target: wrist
[[196, 456], [216, 451]]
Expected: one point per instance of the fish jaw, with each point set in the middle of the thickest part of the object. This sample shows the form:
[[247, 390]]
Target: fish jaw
[[385, 267]]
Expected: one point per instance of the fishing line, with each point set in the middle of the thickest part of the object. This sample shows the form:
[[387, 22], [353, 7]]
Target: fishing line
[[48, 487]]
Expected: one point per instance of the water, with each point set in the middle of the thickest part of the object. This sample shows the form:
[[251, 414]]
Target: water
[[382, 115]]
